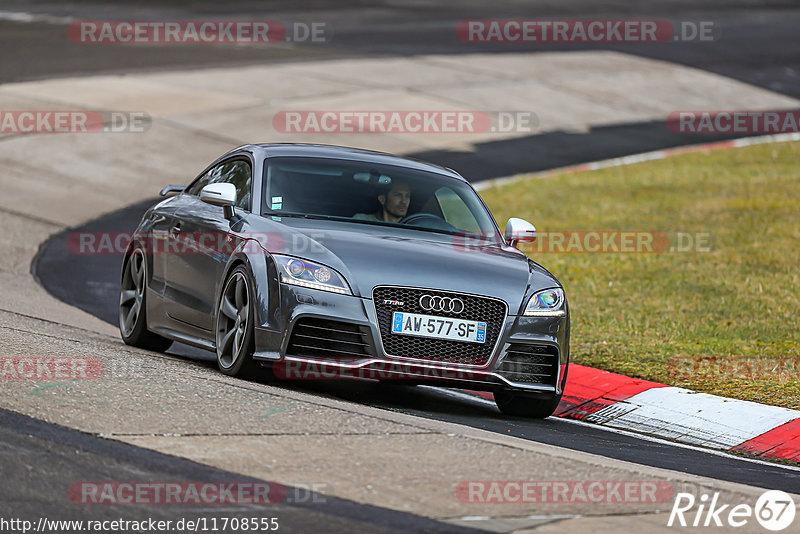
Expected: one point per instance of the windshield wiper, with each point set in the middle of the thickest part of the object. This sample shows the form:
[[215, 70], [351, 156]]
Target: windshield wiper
[[457, 233], [305, 216]]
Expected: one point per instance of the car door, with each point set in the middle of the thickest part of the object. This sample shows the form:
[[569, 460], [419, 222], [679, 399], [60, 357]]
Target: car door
[[204, 243], [162, 220]]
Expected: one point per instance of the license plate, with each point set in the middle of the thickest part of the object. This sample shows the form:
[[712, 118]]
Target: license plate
[[414, 324]]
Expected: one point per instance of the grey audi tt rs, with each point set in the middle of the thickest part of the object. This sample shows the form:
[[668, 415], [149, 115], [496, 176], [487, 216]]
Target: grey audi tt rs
[[311, 261]]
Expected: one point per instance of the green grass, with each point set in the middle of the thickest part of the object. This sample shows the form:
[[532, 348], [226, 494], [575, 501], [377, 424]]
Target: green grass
[[724, 321]]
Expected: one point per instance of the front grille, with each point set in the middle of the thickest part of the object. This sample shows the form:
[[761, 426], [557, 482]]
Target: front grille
[[488, 310], [321, 338], [530, 364]]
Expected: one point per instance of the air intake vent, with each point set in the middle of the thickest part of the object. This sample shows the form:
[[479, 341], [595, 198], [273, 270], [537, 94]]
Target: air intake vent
[[530, 364], [321, 338]]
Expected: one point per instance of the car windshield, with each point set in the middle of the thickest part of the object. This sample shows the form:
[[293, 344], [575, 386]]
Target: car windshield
[[369, 193]]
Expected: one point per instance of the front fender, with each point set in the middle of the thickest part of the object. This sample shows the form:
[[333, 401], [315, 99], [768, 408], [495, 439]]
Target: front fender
[[263, 269], [143, 237]]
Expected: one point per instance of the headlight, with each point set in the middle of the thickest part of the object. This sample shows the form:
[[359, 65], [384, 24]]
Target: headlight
[[311, 275], [549, 302]]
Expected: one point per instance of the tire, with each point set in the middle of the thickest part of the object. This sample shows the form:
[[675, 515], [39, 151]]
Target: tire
[[523, 404], [234, 327], [133, 306]]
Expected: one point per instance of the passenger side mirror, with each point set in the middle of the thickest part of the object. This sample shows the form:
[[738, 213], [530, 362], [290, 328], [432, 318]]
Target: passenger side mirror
[[222, 194], [519, 231]]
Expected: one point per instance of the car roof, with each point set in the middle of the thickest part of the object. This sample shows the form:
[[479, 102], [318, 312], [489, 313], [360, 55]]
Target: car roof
[[342, 152]]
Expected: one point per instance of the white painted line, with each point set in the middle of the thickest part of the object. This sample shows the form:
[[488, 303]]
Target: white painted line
[[21, 16], [764, 139], [660, 441], [694, 418], [488, 518]]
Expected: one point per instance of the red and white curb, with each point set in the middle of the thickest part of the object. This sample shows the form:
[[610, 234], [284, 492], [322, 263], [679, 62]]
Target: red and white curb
[[682, 415], [679, 415]]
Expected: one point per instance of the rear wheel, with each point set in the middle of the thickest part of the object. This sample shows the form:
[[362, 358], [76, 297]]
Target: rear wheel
[[235, 337], [132, 306]]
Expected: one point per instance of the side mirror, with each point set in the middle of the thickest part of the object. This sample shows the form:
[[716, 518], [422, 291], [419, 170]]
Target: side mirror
[[172, 189], [222, 195], [519, 231]]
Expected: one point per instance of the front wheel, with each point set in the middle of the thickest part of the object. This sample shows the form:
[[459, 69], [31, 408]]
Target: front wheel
[[132, 306], [523, 404], [235, 337]]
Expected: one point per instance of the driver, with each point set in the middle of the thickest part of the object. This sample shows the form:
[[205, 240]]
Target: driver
[[394, 204]]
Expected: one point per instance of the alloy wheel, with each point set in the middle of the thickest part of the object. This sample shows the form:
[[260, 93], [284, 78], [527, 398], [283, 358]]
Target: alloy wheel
[[131, 296], [232, 321]]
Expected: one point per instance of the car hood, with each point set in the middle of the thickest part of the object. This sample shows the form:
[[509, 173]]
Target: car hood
[[374, 255]]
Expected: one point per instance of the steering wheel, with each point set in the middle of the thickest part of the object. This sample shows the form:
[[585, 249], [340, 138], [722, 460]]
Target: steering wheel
[[428, 220], [422, 218]]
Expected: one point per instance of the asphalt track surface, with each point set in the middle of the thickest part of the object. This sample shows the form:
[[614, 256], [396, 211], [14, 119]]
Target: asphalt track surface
[[46, 455], [757, 43], [754, 41]]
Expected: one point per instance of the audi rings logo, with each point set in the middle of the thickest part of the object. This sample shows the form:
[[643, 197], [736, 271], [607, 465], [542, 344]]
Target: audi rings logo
[[441, 304]]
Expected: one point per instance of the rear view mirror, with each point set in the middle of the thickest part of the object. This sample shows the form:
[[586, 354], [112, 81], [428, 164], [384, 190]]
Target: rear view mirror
[[222, 194], [172, 189], [519, 231], [372, 178]]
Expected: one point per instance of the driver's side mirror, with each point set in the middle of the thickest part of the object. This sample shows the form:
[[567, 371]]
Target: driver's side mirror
[[172, 189], [519, 231], [222, 194]]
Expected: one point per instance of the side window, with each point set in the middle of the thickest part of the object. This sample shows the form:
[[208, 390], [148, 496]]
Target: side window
[[455, 211], [235, 172], [200, 183]]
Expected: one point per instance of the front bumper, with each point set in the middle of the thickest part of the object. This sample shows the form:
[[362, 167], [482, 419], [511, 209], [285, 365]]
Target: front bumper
[[327, 336]]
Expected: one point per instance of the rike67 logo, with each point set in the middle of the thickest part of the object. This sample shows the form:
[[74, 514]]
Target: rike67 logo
[[774, 510]]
